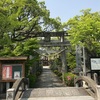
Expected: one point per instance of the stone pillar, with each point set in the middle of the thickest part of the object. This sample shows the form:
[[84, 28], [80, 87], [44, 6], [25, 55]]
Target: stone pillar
[[78, 56], [84, 63], [10, 94], [7, 85], [63, 58]]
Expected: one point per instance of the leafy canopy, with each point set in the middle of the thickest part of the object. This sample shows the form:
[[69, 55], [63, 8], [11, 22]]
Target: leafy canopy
[[85, 30], [21, 20]]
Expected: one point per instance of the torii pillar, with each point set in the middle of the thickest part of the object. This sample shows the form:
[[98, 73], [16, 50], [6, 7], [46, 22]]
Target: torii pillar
[[63, 59]]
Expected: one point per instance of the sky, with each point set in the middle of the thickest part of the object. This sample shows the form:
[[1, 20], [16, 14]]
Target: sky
[[66, 9]]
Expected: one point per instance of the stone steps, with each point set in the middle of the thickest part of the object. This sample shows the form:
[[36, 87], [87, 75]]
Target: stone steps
[[61, 98], [58, 93]]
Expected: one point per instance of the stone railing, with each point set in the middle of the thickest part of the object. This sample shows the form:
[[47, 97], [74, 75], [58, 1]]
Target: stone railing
[[89, 84], [17, 89]]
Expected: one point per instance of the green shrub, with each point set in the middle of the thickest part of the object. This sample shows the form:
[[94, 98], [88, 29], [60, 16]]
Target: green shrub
[[38, 73], [69, 78], [55, 71], [60, 77], [59, 74], [32, 80]]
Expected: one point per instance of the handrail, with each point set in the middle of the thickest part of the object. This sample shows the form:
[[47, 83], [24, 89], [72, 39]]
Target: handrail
[[19, 83], [91, 84]]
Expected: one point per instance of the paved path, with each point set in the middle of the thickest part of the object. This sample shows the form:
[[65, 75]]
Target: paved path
[[48, 79], [50, 87]]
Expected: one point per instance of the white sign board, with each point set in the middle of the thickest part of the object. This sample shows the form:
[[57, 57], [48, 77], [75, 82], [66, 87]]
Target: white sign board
[[16, 75], [95, 63]]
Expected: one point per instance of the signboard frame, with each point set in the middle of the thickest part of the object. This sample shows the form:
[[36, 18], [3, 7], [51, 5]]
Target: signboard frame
[[15, 72], [95, 64]]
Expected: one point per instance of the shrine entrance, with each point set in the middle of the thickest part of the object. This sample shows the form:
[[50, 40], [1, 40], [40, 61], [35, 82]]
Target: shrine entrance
[[52, 45]]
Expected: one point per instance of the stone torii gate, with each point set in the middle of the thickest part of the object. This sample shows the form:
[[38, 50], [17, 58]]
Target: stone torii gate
[[62, 43]]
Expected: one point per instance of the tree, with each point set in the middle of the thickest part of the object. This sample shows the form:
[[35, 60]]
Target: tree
[[20, 20], [24, 18], [85, 30]]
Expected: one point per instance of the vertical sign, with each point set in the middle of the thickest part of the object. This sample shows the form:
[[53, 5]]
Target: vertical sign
[[7, 72], [78, 56]]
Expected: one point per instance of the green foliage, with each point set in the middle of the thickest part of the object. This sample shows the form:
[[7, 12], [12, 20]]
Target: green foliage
[[39, 71], [32, 80], [25, 17], [6, 46], [20, 20], [55, 71], [69, 79], [59, 74], [34, 64], [36, 71], [85, 30], [30, 45], [18, 50], [71, 59]]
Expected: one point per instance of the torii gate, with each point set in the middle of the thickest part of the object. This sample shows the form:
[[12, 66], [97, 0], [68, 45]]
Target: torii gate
[[62, 43]]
